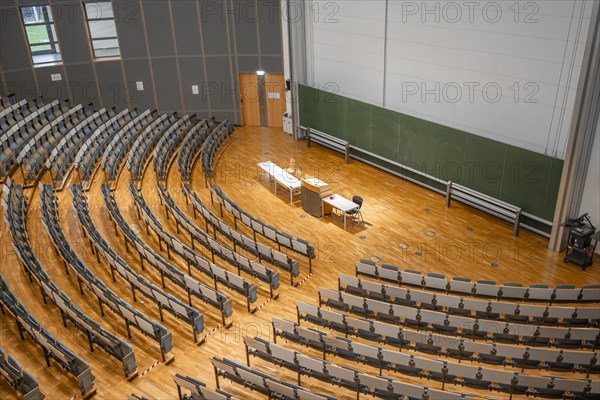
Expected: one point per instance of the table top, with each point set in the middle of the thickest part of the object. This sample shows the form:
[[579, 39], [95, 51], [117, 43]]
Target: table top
[[315, 182], [340, 202], [280, 174]]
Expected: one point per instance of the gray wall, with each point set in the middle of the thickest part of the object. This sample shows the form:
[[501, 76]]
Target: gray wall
[[169, 45]]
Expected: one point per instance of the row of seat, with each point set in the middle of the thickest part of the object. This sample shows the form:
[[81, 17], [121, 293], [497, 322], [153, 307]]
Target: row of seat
[[208, 154], [86, 277], [15, 212], [263, 383], [197, 235], [145, 144], [448, 346], [446, 371], [190, 146], [119, 147], [200, 263], [62, 156], [15, 111], [460, 324], [168, 144], [52, 348], [137, 282], [284, 239], [210, 148], [87, 158], [483, 288], [7, 101], [32, 158], [179, 278], [239, 240], [197, 390], [18, 378], [30, 113], [453, 304], [13, 140], [350, 378]]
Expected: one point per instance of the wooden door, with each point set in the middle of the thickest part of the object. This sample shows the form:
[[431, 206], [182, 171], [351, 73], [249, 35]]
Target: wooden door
[[249, 98], [275, 97]]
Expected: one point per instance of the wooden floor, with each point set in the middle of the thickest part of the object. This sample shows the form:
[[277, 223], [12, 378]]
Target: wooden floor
[[405, 225]]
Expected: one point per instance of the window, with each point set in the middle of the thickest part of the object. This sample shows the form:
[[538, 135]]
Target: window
[[41, 35], [103, 31]]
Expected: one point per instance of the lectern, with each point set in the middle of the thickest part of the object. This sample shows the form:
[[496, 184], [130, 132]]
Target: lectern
[[313, 190]]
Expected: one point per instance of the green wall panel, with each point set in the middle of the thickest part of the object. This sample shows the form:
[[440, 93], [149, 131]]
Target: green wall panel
[[359, 127], [482, 165], [386, 133], [518, 176]]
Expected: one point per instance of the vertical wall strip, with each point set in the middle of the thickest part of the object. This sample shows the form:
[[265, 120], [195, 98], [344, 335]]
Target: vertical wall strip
[[174, 39], [584, 123], [203, 55], [140, 2], [385, 44], [91, 50], [230, 36], [4, 87]]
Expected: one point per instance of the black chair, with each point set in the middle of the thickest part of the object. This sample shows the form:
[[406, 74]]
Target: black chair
[[355, 213]]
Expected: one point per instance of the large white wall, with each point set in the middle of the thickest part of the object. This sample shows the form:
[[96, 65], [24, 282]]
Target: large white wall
[[505, 70]]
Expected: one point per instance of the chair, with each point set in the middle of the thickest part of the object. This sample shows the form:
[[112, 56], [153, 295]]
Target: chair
[[355, 213]]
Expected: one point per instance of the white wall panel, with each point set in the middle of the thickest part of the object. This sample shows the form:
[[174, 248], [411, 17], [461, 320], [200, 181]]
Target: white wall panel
[[531, 50], [348, 47]]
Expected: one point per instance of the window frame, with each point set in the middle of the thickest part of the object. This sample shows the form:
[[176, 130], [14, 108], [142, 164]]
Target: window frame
[[103, 38], [50, 32]]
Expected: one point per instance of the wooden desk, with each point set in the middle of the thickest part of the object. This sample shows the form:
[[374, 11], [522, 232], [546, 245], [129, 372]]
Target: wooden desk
[[340, 203]]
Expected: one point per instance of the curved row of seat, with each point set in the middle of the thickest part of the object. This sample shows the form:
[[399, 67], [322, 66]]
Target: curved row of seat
[[86, 277], [145, 144], [119, 146], [52, 348], [239, 240], [463, 325], [190, 147], [137, 282], [179, 278], [18, 378], [483, 288], [62, 156], [261, 382], [208, 154], [197, 390], [7, 101], [453, 304], [448, 346], [33, 156], [168, 144], [211, 146], [15, 206], [14, 139], [200, 263], [392, 360], [350, 378], [87, 158], [284, 239], [232, 256], [12, 111]]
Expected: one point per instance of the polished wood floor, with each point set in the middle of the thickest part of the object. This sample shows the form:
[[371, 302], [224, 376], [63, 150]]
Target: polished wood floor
[[402, 220]]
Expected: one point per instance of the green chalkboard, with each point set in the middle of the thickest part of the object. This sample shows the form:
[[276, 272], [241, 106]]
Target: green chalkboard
[[518, 176]]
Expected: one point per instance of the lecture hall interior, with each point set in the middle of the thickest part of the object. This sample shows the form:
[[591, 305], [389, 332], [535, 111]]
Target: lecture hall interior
[[299, 199]]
